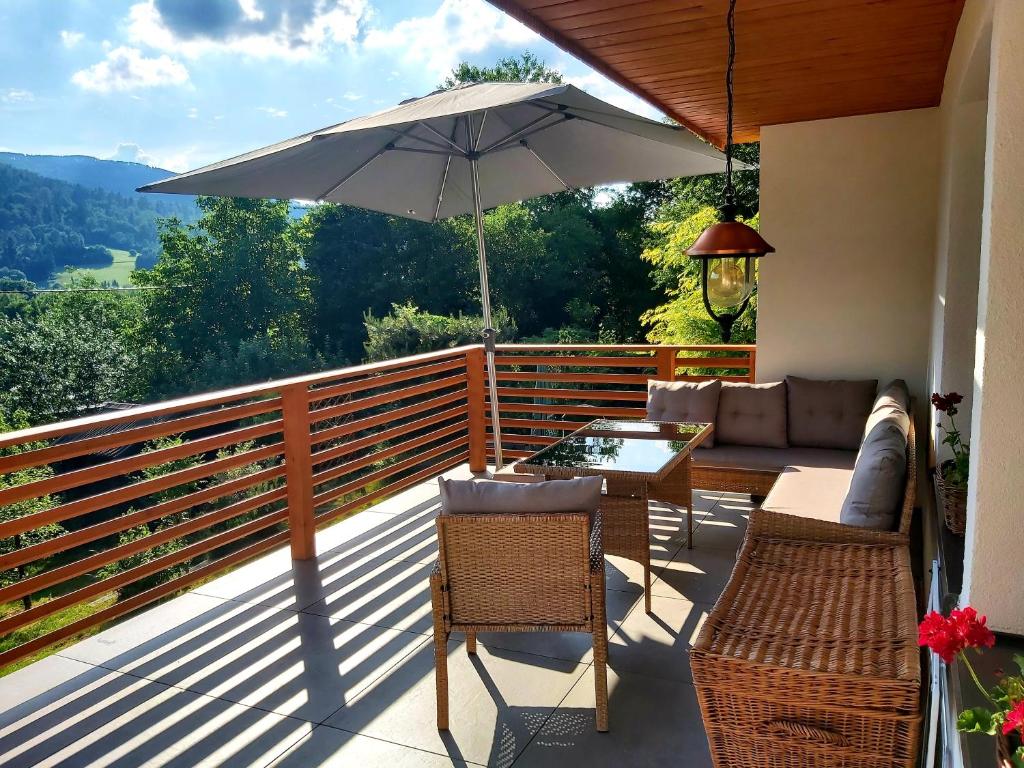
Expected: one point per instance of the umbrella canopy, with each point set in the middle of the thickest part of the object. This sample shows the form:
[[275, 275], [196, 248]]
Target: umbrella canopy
[[413, 160], [461, 151]]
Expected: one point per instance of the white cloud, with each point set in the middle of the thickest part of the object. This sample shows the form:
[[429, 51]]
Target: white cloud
[[351, 96], [125, 69], [457, 29], [17, 96], [128, 152], [268, 30], [70, 38], [193, 113], [274, 111]]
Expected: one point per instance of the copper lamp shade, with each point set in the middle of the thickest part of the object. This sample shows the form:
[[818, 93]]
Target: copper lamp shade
[[729, 238]]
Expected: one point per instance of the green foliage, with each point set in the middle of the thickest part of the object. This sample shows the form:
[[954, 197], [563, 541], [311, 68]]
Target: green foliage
[[526, 68], [67, 352], [977, 720], [232, 278], [46, 225], [683, 319], [407, 330]]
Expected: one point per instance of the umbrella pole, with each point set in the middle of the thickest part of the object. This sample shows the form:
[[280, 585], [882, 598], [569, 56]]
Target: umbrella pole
[[488, 331]]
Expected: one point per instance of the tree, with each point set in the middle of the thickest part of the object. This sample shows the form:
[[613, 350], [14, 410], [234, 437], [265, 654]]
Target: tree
[[688, 208], [407, 330], [526, 68], [68, 352], [233, 277]]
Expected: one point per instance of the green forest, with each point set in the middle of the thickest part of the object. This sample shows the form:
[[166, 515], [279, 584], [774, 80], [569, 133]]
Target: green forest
[[248, 292]]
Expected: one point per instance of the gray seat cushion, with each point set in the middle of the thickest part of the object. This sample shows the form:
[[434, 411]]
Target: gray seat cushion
[[813, 492], [772, 459], [752, 414], [875, 497], [552, 496], [828, 414], [684, 401]]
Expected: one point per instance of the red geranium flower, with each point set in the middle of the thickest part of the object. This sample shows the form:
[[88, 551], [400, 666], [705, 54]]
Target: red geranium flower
[[972, 628], [948, 636], [939, 634], [1014, 719], [947, 401]]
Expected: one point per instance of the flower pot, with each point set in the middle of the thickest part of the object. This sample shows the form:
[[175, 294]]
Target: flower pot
[[1005, 747], [954, 504]]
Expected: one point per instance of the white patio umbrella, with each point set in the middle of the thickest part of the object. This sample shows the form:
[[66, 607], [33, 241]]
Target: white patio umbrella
[[461, 151]]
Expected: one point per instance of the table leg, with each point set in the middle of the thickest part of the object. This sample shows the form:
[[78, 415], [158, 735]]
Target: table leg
[[688, 492], [626, 528]]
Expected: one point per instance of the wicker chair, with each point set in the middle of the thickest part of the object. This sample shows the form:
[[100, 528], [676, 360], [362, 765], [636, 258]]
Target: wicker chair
[[519, 573]]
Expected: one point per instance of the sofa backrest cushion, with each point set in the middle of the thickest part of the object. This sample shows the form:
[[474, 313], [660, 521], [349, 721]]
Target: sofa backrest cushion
[[875, 497], [684, 401], [474, 497], [828, 414], [752, 414]]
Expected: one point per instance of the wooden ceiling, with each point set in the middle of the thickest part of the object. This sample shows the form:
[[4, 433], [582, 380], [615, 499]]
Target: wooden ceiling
[[795, 59]]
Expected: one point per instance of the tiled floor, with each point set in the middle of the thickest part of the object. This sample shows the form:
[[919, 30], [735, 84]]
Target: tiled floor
[[329, 663]]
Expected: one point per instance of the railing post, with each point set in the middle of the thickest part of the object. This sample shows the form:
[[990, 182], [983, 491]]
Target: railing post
[[752, 371], [477, 407], [298, 463], [666, 357]]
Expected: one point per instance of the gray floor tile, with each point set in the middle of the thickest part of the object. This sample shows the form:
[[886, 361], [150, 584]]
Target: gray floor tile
[[658, 644], [497, 703], [653, 722], [697, 575], [329, 747]]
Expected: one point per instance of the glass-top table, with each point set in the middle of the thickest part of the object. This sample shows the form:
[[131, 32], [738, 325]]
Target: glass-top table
[[639, 460]]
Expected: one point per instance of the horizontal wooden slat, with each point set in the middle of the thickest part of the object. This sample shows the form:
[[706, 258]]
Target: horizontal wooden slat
[[327, 496], [509, 438], [384, 435], [574, 394], [509, 453], [93, 562], [362, 403], [118, 467], [565, 426], [64, 451], [574, 378], [145, 598], [713, 362], [578, 361], [395, 450], [395, 414], [350, 387], [123, 522], [595, 411], [391, 488], [137, 490]]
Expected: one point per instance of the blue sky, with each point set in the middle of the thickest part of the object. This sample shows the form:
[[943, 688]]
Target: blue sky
[[180, 83]]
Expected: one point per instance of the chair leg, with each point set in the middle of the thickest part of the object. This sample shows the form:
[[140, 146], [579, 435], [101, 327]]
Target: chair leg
[[441, 674], [471, 643], [600, 657]]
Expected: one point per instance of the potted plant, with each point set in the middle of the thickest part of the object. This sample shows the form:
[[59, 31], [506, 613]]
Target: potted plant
[[951, 475], [950, 637]]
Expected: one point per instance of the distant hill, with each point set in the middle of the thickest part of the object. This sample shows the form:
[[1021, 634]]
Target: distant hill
[[47, 224], [109, 175]]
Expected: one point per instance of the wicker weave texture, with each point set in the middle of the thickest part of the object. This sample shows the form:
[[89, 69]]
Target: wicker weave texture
[[810, 658]]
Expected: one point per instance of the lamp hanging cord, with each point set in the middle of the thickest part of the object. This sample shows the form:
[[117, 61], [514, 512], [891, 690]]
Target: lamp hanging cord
[[729, 192]]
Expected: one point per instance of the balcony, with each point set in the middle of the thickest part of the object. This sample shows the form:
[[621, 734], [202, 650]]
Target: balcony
[[267, 569]]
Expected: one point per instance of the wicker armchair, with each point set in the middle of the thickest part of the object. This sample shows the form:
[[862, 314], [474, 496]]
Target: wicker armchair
[[519, 573]]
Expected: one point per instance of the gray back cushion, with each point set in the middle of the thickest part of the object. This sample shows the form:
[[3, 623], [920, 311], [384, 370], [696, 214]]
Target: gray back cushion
[[752, 414], [875, 497], [684, 401], [483, 496], [828, 414]]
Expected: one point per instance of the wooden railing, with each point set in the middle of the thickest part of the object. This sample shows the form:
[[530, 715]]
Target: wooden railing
[[545, 391], [103, 515]]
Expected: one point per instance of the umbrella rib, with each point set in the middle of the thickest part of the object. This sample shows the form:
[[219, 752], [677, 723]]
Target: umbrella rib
[[511, 140], [444, 174], [443, 138], [547, 167], [516, 133], [348, 176]]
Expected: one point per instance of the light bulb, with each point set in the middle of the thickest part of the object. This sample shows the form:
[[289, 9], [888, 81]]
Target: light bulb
[[730, 281]]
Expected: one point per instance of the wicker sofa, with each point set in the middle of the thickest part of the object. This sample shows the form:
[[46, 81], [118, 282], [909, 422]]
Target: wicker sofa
[[803, 448]]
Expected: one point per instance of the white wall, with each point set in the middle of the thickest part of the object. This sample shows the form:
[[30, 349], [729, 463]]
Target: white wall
[[993, 580], [850, 206]]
